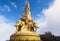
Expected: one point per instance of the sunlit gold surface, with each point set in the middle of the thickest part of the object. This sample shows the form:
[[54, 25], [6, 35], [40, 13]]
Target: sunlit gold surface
[[26, 27], [25, 37]]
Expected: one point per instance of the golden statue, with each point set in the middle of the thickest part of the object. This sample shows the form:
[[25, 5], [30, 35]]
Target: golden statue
[[26, 27], [26, 23]]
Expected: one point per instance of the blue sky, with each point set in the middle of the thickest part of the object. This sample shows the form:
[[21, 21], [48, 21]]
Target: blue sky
[[12, 9], [46, 13]]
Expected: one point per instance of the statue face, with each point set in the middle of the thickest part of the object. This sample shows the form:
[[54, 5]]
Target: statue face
[[27, 9]]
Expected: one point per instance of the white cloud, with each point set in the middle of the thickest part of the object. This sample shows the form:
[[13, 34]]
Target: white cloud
[[42, 23], [53, 18], [51, 23], [6, 28], [13, 4], [5, 8]]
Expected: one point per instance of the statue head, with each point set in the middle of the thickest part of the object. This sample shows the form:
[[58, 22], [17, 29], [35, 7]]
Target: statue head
[[27, 8]]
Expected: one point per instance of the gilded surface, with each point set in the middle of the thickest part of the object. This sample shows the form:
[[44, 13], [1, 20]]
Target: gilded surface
[[26, 24], [25, 27]]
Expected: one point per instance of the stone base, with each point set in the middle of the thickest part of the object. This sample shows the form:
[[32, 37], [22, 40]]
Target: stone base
[[25, 38]]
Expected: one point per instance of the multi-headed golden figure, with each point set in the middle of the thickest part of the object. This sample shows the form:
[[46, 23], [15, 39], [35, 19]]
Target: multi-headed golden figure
[[26, 28], [26, 23]]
